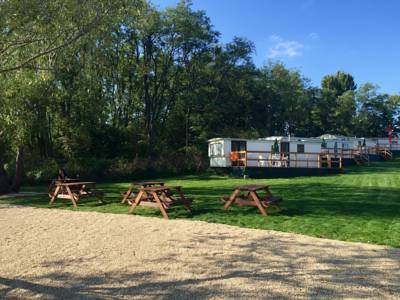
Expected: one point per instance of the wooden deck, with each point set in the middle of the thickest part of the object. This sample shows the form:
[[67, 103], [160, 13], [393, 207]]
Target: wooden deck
[[268, 159]]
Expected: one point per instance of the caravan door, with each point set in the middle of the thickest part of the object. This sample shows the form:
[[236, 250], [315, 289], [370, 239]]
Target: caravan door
[[285, 153], [239, 146]]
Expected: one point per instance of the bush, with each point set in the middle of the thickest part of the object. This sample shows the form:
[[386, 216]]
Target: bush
[[177, 163]]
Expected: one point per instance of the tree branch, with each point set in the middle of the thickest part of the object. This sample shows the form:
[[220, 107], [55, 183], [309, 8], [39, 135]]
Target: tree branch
[[66, 43]]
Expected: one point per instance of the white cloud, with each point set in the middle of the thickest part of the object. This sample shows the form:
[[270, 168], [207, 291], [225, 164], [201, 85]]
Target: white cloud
[[284, 48]]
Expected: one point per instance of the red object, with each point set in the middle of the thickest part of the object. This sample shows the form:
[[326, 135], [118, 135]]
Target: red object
[[390, 132], [234, 156]]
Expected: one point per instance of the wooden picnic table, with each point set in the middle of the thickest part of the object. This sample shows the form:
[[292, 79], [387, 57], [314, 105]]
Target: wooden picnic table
[[248, 195], [74, 190], [52, 186], [148, 183], [160, 197], [134, 185]]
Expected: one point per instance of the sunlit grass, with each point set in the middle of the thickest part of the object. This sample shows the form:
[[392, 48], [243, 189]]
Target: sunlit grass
[[361, 205]]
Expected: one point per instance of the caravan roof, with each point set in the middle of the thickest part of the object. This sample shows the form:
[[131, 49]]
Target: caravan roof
[[292, 139]]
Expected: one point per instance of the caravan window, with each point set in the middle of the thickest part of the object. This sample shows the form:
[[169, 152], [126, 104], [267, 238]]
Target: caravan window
[[285, 147], [238, 146], [300, 148], [216, 149]]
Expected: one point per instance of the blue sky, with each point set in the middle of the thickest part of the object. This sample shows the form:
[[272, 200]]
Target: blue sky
[[317, 37]]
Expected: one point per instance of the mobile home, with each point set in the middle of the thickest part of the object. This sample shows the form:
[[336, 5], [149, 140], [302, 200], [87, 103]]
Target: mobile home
[[383, 142], [341, 142], [274, 151]]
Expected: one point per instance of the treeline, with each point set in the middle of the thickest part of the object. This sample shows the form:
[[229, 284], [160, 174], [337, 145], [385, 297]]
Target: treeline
[[129, 88]]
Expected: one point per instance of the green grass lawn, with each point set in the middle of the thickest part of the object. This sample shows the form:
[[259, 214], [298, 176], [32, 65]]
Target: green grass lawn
[[361, 205]]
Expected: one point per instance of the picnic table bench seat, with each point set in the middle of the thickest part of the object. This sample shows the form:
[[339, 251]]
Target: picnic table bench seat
[[175, 201], [265, 201], [270, 200]]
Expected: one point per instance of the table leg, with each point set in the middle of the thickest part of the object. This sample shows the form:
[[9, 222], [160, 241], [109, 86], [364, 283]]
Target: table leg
[[232, 198], [136, 202], [71, 195], [268, 192], [160, 205], [186, 203], [82, 189], [163, 197], [55, 194], [127, 194], [276, 205], [258, 203], [99, 194]]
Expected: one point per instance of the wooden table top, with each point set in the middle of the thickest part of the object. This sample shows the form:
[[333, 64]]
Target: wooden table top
[[75, 183], [158, 188], [146, 183], [65, 180], [251, 187]]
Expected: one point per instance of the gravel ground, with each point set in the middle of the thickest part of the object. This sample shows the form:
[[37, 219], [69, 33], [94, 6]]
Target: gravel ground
[[50, 253]]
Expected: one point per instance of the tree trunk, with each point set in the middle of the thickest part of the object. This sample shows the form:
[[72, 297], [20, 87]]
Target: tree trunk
[[150, 138], [187, 117], [19, 166], [4, 183]]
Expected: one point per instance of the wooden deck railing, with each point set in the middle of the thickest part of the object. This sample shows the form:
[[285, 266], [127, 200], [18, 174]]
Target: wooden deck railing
[[385, 152], [352, 153], [344, 153], [395, 147], [285, 159]]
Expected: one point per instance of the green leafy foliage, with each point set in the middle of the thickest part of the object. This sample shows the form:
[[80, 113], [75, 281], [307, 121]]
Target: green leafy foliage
[[125, 81]]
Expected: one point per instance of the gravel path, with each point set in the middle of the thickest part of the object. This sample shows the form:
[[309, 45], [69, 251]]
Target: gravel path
[[50, 253]]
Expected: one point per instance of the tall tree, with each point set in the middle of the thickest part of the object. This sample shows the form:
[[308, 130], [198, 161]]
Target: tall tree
[[330, 108], [339, 83], [375, 111], [345, 113]]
